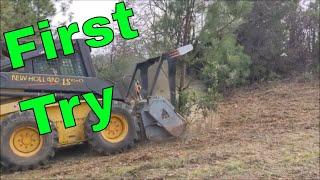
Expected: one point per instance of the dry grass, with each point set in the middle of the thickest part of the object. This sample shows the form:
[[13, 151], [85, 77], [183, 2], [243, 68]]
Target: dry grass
[[266, 131]]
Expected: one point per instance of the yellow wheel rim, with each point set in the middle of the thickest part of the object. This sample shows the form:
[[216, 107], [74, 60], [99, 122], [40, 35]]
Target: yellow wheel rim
[[25, 141], [117, 129]]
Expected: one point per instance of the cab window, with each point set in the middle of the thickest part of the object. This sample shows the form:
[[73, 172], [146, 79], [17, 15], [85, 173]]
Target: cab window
[[70, 65]]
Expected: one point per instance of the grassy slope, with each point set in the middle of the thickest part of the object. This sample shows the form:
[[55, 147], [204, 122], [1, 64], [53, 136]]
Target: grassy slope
[[269, 131]]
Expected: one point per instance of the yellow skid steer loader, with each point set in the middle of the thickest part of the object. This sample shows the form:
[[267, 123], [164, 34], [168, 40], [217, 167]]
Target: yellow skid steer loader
[[147, 118]]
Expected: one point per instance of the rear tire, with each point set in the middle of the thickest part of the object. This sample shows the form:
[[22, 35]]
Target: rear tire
[[22, 147], [118, 136]]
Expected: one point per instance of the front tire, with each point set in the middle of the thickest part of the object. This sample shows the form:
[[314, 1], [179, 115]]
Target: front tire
[[118, 136]]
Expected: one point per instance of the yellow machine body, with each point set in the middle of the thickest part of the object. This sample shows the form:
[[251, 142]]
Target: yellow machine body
[[67, 136]]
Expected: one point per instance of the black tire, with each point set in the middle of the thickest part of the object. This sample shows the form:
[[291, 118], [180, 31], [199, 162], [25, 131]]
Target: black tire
[[101, 145], [12, 161]]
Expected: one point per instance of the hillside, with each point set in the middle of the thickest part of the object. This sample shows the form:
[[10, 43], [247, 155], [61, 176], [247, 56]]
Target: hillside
[[269, 131]]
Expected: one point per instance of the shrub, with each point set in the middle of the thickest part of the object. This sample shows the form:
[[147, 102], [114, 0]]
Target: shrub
[[226, 66], [196, 100]]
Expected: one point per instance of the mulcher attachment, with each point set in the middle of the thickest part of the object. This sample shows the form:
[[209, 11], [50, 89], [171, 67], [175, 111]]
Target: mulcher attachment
[[160, 121], [157, 117]]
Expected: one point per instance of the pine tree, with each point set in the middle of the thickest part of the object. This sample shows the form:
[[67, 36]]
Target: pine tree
[[20, 13], [224, 63]]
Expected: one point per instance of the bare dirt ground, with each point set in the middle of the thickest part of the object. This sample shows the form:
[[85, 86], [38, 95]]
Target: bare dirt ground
[[263, 131]]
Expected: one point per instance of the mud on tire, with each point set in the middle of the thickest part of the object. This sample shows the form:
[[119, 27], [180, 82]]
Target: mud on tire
[[99, 143]]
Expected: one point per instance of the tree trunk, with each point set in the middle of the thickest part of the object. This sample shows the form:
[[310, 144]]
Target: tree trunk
[[186, 40]]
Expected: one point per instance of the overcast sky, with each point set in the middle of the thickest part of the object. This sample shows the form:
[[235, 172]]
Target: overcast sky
[[85, 9]]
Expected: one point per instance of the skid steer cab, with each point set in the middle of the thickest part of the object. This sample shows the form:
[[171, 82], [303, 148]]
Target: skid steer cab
[[136, 115]]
